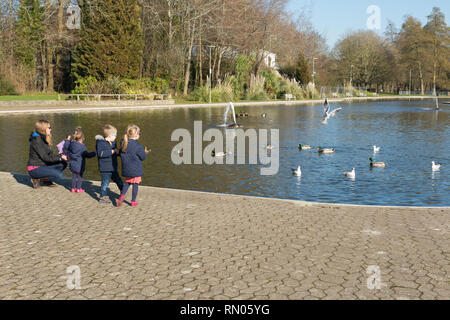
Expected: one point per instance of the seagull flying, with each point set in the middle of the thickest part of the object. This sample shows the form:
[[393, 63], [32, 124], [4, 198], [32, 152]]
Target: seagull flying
[[327, 113]]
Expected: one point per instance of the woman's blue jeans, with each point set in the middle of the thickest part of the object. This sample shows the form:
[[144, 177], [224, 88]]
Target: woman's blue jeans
[[54, 172]]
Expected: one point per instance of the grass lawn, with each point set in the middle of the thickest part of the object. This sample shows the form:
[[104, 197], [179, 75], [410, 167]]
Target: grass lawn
[[31, 96]]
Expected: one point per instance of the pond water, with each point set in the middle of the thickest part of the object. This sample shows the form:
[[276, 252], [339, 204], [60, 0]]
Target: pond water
[[410, 138]]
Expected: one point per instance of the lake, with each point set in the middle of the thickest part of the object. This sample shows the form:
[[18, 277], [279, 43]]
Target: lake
[[410, 137]]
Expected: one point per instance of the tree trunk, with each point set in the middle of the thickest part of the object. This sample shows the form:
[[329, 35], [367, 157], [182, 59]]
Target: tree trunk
[[434, 77], [218, 65], [169, 15], [189, 60], [51, 66], [199, 54], [214, 64], [422, 84], [43, 69], [60, 38]]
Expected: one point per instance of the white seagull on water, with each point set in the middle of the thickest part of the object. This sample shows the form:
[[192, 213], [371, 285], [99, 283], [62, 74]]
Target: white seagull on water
[[351, 175], [435, 166], [297, 172]]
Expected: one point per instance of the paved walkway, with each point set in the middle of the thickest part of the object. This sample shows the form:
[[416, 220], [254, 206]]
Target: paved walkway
[[191, 245]]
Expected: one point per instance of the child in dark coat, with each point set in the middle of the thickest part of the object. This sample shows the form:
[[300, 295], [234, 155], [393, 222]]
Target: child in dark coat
[[132, 154], [107, 153], [77, 156]]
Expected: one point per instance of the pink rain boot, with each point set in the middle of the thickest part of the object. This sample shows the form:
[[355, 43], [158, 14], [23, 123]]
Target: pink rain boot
[[134, 204], [81, 191], [121, 200]]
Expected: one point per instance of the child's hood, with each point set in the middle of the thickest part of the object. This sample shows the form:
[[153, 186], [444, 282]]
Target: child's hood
[[99, 137]]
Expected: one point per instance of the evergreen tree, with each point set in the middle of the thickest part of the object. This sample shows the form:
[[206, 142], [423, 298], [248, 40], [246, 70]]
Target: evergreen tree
[[110, 40], [29, 30], [438, 32], [413, 44], [302, 72]]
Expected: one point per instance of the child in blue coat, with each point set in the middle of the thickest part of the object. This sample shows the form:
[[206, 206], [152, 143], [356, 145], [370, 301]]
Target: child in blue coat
[[132, 154], [107, 154], [77, 156]]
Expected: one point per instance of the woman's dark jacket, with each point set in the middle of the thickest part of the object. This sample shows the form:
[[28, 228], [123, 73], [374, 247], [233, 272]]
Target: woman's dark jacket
[[41, 155], [107, 161], [77, 155], [132, 160]]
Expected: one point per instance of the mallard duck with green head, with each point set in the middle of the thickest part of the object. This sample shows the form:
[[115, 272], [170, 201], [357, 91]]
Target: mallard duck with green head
[[304, 147], [374, 164]]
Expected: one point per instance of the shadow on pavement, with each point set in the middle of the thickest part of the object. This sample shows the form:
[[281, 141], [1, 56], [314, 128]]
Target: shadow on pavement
[[92, 190]]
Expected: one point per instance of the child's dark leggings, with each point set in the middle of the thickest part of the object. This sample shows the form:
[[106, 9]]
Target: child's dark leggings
[[126, 185], [77, 180]]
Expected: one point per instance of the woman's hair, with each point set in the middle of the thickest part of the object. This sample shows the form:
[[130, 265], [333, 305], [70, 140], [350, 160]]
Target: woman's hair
[[109, 130], [41, 128], [78, 135], [132, 130]]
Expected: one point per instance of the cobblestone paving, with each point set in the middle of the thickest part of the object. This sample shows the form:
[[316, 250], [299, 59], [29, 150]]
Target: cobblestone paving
[[191, 245]]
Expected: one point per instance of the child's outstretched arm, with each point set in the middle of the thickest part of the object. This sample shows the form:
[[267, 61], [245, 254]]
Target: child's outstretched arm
[[87, 154], [141, 153]]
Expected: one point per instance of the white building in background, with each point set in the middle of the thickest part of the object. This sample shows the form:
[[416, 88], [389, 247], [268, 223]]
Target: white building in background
[[270, 59]]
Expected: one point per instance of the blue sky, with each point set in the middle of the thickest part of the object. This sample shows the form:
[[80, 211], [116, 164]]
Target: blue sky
[[334, 18]]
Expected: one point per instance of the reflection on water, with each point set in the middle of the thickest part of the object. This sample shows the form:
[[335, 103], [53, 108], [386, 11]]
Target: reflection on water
[[409, 135]]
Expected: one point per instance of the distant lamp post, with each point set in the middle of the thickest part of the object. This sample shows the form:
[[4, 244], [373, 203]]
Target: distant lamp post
[[210, 73], [314, 71]]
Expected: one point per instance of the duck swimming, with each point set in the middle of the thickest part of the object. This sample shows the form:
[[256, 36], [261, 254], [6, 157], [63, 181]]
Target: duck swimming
[[304, 147], [376, 164], [435, 166], [351, 175], [220, 154], [326, 150], [297, 172]]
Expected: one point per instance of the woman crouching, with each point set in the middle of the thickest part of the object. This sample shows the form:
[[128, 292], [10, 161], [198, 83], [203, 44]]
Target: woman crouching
[[43, 164]]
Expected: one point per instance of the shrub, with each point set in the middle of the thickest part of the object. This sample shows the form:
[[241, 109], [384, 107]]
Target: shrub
[[114, 85], [138, 86], [6, 88], [201, 94], [220, 93], [242, 69], [88, 85], [290, 86], [271, 85], [311, 91], [256, 90], [160, 85]]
